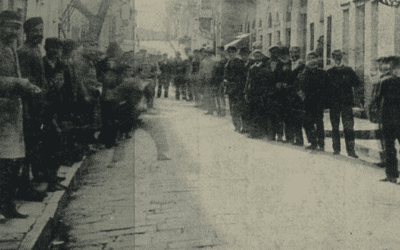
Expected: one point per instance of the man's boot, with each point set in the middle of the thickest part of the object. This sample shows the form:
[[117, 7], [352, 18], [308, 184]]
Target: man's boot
[[350, 149]]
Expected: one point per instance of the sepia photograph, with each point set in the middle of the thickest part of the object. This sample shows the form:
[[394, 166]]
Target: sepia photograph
[[199, 124]]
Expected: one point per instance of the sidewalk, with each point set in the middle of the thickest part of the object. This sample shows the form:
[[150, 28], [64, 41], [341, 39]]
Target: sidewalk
[[36, 231]]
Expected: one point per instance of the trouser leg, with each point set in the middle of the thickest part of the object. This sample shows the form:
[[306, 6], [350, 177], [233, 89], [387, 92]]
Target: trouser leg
[[309, 127], [334, 115], [234, 112], [9, 169], [390, 135], [320, 130], [348, 127]]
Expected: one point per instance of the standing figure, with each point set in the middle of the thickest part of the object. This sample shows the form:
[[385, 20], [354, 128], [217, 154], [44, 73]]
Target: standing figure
[[218, 83], [294, 111], [31, 63], [206, 77], [255, 92], [180, 76], [343, 80], [390, 92], [56, 112], [149, 72], [275, 96], [195, 77], [12, 89], [235, 77], [164, 78], [313, 84], [244, 53]]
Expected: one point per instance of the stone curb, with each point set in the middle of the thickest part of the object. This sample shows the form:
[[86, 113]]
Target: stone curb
[[41, 233]]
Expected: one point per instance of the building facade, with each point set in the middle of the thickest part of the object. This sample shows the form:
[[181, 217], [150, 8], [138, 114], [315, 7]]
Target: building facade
[[363, 29]]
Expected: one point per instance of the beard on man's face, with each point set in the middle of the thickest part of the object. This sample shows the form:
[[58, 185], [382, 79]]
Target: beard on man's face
[[36, 39]]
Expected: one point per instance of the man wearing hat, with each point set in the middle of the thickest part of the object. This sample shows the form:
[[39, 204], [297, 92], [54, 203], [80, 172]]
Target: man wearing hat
[[218, 81], [31, 63], [245, 53], [293, 119], [164, 78], [12, 89], [275, 95], [343, 80], [235, 77], [206, 74], [313, 87]]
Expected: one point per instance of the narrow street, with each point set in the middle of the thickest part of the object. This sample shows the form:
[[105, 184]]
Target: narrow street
[[222, 190]]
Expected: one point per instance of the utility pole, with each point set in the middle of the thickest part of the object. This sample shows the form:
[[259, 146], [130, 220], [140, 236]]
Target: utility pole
[[134, 33]]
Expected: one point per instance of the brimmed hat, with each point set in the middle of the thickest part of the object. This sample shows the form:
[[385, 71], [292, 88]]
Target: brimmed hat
[[53, 42], [10, 17], [274, 47], [32, 22]]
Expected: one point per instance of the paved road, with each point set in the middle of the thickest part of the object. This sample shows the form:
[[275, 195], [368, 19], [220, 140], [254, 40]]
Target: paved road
[[222, 190]]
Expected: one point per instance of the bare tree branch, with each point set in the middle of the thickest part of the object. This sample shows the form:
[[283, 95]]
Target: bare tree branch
[[77, 4]]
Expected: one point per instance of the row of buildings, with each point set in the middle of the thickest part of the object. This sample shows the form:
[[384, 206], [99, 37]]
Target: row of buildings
[[63, 21], [363, 29]]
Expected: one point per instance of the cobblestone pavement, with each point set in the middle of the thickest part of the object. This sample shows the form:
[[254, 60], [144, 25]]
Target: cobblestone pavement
[[222, 190]]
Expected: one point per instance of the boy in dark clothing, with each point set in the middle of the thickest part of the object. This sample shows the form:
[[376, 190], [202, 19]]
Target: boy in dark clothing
[[55, 113], [313, 84], [294, 113], [343, 80]]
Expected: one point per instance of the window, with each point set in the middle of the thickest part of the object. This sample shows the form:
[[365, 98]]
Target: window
[[260, 23], [288, 36], [329, 40], [261, 39], [346, 34], [269, 40], [269, 20], [278, 21], [312, 36], [289, 12], [254, 24], [248, 27], [278, 36], [303, 3]]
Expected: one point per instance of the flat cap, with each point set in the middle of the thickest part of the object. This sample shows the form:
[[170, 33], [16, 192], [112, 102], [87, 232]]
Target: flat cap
[[10, 16], [32, 22], [231, 49]]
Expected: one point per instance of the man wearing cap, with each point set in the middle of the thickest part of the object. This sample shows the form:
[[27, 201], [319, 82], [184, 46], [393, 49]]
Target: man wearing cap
[[244, 53], [293, 120], [255, 90], [164, 78], [313, 87], [31, 63], [195, 76], [275, 95], [12, 89], [206, 78], [343, 79], [235, 78], [218, 82], [180, 76], [55, 114]]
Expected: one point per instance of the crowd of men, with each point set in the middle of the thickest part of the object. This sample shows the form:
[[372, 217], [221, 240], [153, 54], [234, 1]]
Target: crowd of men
[[58, 107], [278, 96]]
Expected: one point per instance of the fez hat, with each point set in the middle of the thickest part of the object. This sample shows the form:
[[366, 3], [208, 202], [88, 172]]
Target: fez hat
[[257, 51], [10, 16], [53, 42], [244, 51], [294, 48], [32, 22], [231, 49]]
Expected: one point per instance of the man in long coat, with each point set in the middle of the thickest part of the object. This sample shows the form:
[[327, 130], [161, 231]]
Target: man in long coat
[[12, 89], [31, 63]]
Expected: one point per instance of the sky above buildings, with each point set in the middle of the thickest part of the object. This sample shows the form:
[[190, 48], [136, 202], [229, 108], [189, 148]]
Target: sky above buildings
[[151, 14]]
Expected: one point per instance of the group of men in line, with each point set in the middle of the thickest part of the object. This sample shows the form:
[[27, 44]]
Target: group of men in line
[[54, 106]]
